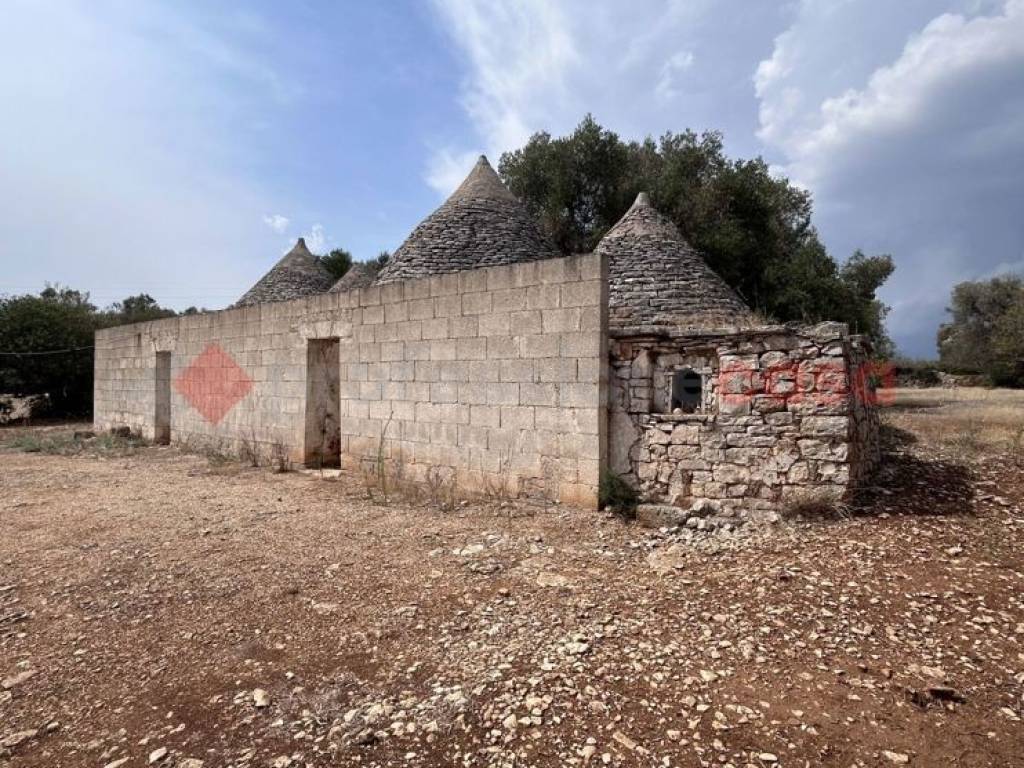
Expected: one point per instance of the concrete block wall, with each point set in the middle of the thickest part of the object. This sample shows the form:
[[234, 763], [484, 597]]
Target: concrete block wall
[[498, 374]]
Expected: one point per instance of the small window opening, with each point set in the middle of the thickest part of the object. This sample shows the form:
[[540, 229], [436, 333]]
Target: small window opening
[[686, 390]]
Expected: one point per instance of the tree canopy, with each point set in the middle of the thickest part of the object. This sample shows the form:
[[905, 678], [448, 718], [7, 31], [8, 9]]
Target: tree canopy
[[337, 262], [985, 333], [753, 227], [46, 343]]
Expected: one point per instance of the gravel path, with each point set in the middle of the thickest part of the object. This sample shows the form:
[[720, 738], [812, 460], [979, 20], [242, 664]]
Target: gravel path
[[159, 609]]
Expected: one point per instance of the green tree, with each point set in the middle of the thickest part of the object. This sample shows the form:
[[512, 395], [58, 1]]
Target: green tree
[[377, 263], [46, 342], [753, 227], [337, 262], [986, 330], [137, 309]]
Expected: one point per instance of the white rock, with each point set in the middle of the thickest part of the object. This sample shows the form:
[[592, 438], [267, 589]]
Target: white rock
[[157, 755], [260, 698], [896, 757]]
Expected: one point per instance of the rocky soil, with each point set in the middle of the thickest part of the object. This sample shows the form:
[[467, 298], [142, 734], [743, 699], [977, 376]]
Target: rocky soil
[[159, 610]]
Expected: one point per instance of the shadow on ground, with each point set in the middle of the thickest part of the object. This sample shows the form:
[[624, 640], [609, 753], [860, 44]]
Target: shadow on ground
[[910, 484]]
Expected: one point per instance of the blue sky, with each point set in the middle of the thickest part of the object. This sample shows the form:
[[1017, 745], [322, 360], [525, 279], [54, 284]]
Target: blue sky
[[179, 148]]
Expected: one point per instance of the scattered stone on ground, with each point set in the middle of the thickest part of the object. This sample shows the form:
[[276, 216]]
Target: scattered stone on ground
[[309, 626]]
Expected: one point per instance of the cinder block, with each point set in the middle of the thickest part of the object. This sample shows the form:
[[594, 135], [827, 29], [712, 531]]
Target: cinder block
[[472, 393], [427, 371], [476, 303], [373, 315], [435, 329], [444, 285], [411, 330], [442, 349], [502, 348], [544, 296], [561, 320], [369, 390], [448, 306], [509, 300], [494, 324], [471, 349], [421, 309], [579, 395], [444, 392], [417, 350], [539, 394], [557, 271], [525, 323], [517, 417], [580, 344], [392, 350], [470, 436], [503, 394], [556, 369], [453, 370], [517, 370], [484, 415], [540, 345], [464, 327], [473, 281], [403, 371]]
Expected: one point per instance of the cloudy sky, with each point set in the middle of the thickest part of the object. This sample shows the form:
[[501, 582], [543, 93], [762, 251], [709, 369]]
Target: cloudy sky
[[177, 148]]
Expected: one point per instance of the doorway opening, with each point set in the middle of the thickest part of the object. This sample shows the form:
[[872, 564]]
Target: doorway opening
[[323, 404], [162, 414]]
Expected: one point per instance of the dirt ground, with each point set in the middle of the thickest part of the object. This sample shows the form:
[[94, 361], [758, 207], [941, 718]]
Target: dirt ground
[[162, 608]]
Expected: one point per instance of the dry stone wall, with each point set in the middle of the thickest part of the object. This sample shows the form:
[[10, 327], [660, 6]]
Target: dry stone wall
[[787, 414], [497, 374]]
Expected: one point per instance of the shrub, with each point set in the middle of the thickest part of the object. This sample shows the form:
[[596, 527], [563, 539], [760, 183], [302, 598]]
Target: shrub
[[616, 494]]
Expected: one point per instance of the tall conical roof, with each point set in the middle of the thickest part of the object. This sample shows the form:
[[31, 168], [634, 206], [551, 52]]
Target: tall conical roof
[[481, 225], [358, 276], [299, 273], [657, 279]]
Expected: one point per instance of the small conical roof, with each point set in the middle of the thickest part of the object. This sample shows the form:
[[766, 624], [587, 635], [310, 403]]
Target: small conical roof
[[482, 224], [299, 273], [657, 279], [358, 276]]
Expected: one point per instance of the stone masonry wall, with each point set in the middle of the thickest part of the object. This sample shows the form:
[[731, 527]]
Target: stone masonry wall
[[498, 374], [787, 413]]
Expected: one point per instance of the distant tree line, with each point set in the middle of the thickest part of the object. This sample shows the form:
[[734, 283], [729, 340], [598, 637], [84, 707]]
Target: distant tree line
[[46, 343], [985, 333], [753, 227]]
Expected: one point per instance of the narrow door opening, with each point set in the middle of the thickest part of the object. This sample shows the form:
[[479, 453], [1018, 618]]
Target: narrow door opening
[[162, 416], [323, 404]]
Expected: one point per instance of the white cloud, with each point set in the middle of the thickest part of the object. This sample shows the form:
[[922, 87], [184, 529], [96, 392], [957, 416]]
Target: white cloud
[[667, 87], [920, 154], [316, 240], [276, 222], [447, 168], [536, 65]]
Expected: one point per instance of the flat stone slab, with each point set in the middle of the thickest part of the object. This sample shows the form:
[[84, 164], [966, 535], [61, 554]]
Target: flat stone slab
[[660, 515]]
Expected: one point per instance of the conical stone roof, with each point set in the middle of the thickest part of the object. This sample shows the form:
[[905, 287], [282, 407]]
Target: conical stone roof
[[657, 279], [481, 225], [358, 276], [299, 273]]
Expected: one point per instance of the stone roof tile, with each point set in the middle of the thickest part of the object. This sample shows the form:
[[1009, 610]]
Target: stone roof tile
[[657, 279], [299, 273], [482, 224], [358, 276]]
